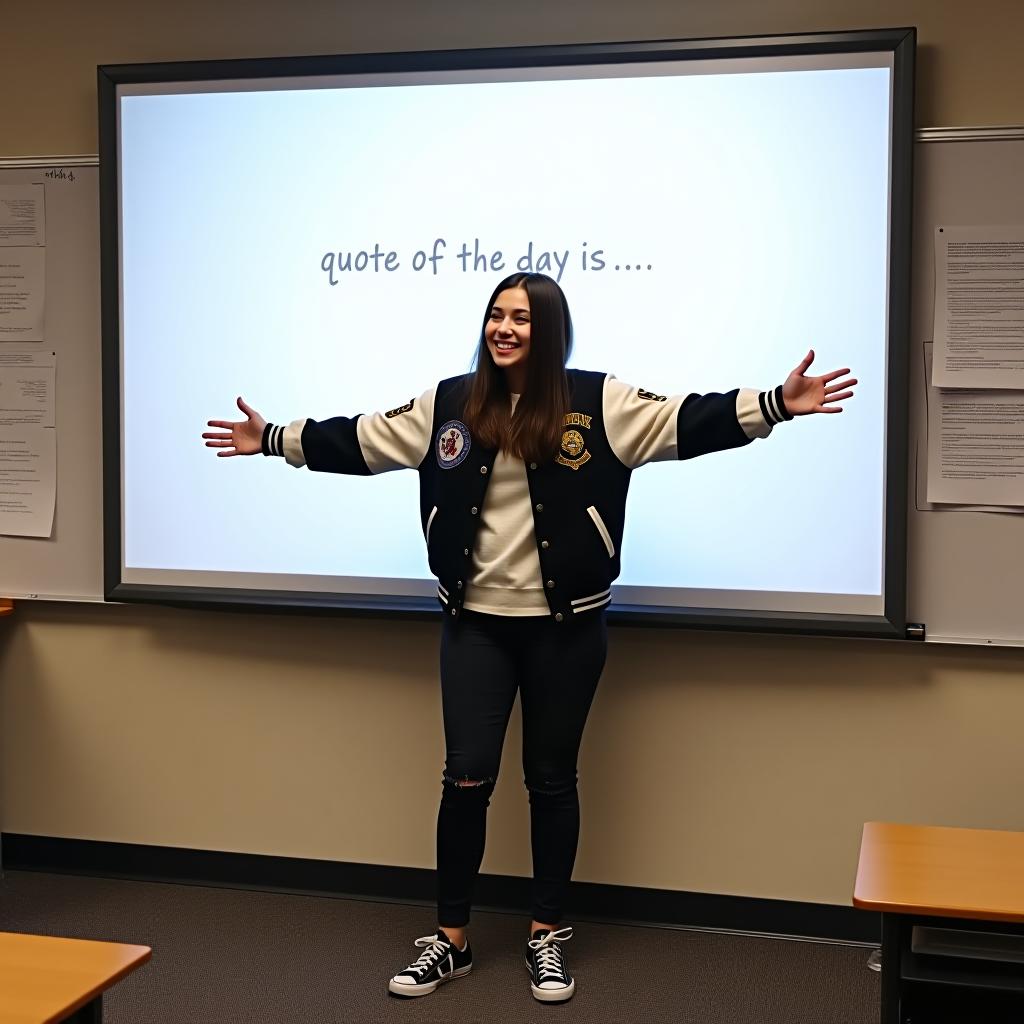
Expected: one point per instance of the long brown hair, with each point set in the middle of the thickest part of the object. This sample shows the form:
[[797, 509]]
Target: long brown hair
[[535, 432]]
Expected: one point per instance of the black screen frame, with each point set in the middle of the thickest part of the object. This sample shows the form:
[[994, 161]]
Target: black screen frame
[[901, 42]]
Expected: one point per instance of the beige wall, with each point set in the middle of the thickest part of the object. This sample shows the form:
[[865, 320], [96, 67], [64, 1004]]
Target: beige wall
[[732, 764]]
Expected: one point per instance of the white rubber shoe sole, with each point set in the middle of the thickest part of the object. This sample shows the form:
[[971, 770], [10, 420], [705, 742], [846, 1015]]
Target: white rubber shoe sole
[[398, 988], [551, 995]]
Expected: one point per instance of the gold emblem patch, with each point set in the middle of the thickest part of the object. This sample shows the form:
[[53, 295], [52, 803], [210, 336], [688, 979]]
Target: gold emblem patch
[[392, 413], [572, 441], [650, 395]]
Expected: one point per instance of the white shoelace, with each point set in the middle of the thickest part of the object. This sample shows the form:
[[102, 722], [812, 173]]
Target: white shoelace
[[434, 951], [549, 956]]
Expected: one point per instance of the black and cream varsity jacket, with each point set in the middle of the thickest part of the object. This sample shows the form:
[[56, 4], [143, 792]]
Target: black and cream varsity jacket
[[578, 499]]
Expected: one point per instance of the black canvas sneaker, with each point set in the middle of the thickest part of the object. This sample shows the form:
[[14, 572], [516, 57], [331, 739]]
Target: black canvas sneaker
[[550, 979], [440, 962]]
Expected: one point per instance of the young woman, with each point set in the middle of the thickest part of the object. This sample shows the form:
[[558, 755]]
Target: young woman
[[524, 467]]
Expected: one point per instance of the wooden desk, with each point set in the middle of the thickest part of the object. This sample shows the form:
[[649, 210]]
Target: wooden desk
[[43, 979], [952, 903]]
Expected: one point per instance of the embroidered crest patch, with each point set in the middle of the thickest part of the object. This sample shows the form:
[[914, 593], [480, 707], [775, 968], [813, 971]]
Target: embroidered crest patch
[[650, 395], [452, 444], [392, 413], [573, 444]]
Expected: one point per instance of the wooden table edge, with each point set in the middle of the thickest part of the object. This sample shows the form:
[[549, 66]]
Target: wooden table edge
[[146, 954], [960, 913]]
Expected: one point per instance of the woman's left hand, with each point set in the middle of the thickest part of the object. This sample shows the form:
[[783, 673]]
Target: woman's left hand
[[804, 395]]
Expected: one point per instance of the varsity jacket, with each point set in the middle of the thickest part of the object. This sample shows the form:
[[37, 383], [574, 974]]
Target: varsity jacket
[[578, 499]]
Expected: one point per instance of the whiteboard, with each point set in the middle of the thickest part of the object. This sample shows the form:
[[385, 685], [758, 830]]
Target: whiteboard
[[68, 565], [965, 569]]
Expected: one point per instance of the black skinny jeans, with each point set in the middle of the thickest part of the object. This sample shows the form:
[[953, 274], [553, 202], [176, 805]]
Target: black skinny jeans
[[555, 667]]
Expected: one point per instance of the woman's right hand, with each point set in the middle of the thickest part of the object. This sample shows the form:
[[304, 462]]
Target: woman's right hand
[[242, 438]]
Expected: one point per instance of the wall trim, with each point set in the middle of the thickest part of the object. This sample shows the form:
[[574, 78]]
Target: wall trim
[[80, 160], [1007, 133], [616, 904]]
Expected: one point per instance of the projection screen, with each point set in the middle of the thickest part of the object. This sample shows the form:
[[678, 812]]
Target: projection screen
[[320, 236]]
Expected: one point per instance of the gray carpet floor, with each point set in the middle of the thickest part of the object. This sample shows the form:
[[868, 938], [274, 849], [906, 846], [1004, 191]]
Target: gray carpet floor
[[222, 956]]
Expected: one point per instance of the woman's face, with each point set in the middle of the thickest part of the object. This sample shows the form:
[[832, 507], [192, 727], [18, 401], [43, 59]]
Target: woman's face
[[508, 332]]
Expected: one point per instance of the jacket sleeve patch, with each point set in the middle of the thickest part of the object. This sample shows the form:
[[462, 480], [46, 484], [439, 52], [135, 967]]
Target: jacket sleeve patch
[[650, 395]]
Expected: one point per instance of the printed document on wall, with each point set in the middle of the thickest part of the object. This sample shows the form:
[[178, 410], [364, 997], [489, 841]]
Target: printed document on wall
[[976, 447], [979, 307], [28, 443], [28, 480], [22, 292], [22, 215], [27, 389], [932, 395]]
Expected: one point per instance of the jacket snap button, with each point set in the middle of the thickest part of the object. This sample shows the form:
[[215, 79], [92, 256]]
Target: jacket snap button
[[558, 616], [473, 511], [465, 551], [540, 508], [453, 611], [460, 584], [551, 584], [533, 465], [483, 469]]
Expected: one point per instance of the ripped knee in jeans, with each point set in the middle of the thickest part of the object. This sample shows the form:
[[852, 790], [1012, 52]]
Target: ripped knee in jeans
[[466, 782]]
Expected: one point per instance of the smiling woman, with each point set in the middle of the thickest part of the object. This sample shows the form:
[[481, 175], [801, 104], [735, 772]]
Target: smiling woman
[[524, 467], [525, 342]]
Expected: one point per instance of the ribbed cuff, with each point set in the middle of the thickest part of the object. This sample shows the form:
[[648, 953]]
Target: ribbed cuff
[[273, 440], [773, 407]]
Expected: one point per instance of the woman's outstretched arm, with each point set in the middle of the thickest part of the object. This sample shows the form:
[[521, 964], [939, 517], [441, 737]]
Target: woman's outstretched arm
[[646, 427], [358, 445]]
